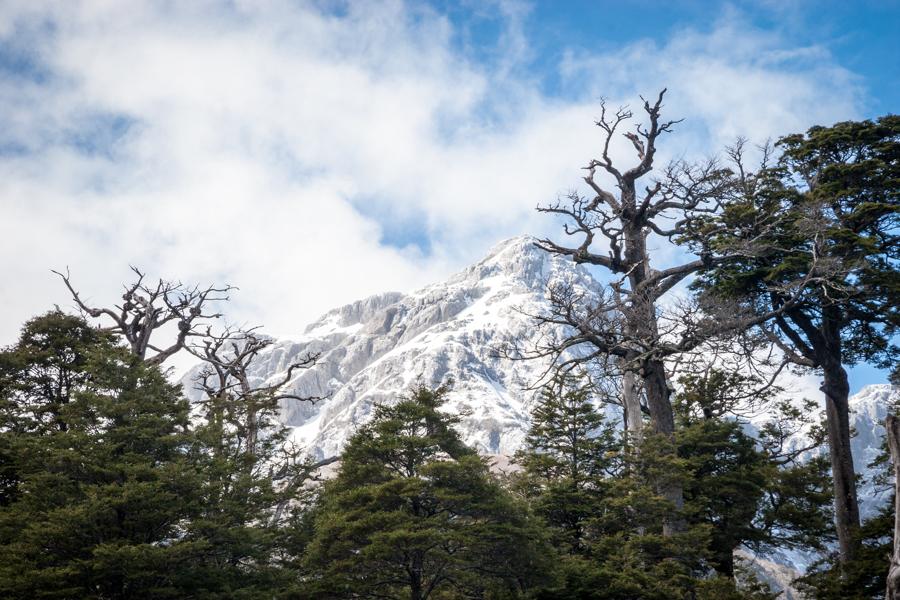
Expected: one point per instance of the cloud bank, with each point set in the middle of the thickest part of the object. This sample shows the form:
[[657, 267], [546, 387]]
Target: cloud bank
[[314, 153]]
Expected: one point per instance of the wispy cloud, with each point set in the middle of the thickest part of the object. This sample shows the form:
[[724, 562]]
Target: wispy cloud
[[315, 153]]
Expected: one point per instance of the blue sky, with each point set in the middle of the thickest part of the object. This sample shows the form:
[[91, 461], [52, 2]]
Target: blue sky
[[862, 36], [313, 153]]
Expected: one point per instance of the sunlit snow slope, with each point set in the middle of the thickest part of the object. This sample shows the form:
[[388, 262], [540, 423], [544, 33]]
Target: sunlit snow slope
[[375, 349]]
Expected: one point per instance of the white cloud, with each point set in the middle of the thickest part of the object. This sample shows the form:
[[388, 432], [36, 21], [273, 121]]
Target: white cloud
[[731, 81], [269, 144]]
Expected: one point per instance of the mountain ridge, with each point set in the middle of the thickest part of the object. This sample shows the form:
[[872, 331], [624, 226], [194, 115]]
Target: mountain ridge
[[374, 349], [377, 348]]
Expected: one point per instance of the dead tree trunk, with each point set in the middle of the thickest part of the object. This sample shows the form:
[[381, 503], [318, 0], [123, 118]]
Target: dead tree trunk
[[641, 319], [892, 427], [623, 221], [631, 397], [631, 400]]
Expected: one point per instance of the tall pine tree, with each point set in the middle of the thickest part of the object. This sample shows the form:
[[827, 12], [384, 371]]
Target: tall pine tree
[[414, 513], [568, 456], [819, 233]]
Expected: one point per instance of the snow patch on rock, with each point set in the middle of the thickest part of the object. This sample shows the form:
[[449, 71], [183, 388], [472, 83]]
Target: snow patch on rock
[[374, 350]]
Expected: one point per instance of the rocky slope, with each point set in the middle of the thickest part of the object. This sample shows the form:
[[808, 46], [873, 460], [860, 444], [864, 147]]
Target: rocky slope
[[375, 349]]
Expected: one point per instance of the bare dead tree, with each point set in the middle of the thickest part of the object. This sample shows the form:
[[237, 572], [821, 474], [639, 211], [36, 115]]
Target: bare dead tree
[[243, 412], [611, 230], [146, 307], [624, 221], [225, 379], [892, 427]]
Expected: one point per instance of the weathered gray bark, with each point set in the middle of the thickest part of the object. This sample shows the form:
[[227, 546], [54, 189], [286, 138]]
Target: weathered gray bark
[[641, 319], [631, 397], [892, 427], [634, 418], [846, 506]]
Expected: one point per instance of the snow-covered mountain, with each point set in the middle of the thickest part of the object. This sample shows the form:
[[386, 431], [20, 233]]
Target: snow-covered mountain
[[376, 349], [869, 408]]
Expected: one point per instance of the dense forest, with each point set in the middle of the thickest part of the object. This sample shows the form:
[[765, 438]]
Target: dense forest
[[723, 276]]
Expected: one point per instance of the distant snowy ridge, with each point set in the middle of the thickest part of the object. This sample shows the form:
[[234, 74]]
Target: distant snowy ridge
[[376, 349], [868, 410]]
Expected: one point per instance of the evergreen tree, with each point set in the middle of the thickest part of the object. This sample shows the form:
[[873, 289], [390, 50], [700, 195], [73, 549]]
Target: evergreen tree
[[728, 478], [819, 232], [604, 507], [738, 491], [863, 577], [569, 453], [109, 489], [413, 513], [98, 444], [748, 490], [39, 376]]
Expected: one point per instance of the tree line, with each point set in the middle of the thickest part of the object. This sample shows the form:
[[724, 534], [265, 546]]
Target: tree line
[[722, 275]]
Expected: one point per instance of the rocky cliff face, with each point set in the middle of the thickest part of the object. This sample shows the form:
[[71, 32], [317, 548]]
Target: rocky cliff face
[[375, 349]]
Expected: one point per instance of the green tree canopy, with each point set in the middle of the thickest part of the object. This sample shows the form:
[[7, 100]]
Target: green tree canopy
[[569, 454], [413, 513], [111, 488], [98, 443], [820, 233]]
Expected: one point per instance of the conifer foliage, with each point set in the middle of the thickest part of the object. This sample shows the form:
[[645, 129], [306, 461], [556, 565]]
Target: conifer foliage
[[569, 454], [818, 231], [413, 513], [603, 505], [97, 446], [110, 489]]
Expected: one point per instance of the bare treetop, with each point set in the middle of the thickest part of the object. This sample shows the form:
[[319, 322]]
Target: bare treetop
[[228, 356], [664, 207], [146, 307], [610, 228], [234, 402]]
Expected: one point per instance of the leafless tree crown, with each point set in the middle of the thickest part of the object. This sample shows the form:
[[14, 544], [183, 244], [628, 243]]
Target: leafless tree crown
[[146, 307]]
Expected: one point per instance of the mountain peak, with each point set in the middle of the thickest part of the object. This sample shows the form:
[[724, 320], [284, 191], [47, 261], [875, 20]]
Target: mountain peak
[[518, 263], [374, 350], [515, 256], [520, 244]]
